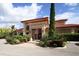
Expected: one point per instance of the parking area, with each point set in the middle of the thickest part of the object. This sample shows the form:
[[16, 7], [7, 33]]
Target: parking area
[[30, 49]]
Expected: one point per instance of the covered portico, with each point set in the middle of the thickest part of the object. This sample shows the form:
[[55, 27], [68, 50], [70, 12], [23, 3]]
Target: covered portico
[[36, 28]]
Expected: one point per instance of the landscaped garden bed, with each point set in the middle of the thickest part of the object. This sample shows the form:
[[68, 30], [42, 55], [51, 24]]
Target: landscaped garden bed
[[12, 37], [58, 41], [17, 39]]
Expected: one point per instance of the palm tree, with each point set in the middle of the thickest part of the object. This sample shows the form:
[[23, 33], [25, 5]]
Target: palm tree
[[12, 29], [51, 33]]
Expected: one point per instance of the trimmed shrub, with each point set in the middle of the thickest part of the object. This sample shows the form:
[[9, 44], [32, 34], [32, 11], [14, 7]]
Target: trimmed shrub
[[19, 37], [27, 36], [71, 37], [10, 40], [56, 41], [44, 41], [43, 44]]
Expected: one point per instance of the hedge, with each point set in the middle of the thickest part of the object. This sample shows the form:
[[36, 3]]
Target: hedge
[[71, 37]]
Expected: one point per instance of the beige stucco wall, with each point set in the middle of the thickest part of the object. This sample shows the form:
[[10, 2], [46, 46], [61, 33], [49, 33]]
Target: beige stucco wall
[[67, 30], [63, 30], [42, 25]]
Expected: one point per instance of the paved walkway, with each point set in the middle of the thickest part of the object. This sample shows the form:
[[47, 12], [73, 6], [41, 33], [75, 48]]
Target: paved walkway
[[30, 49]]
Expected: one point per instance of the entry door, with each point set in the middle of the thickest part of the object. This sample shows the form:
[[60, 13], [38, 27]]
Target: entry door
[[39, 33], [36, 34]]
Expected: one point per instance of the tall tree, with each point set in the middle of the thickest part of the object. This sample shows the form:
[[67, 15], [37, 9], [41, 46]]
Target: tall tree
[[51, 34]]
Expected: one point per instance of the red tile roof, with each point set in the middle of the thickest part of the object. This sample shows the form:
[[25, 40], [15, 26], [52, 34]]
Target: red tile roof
[[61, 20], [41, 20], [59, 26], [19, 30], [67, 25], [46, 20], [36, 20]]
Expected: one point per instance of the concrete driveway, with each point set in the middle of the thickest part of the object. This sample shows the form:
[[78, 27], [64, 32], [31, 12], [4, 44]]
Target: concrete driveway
[[30, 49]]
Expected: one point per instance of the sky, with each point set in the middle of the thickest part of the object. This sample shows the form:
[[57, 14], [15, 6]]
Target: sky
[[14, 13]]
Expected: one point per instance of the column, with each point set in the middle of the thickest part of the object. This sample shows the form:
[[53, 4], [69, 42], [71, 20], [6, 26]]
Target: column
[[30, 29], [43, 31], [24, 29], [72, 30]]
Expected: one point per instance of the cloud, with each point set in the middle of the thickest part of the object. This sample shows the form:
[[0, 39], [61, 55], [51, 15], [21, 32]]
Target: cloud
[[72, 17], [73, 20], [8, 13], [65, 15], [46, 16], [73, 8], [71, 4]]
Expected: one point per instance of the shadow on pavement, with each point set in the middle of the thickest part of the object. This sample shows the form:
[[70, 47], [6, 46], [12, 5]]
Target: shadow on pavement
[[77, 44]]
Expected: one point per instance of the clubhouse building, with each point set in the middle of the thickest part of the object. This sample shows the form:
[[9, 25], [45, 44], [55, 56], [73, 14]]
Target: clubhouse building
[[38, 27]]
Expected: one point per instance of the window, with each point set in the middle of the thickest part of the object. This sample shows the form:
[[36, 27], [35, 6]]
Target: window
[[27, 27], [78, 31], [27, 32]]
